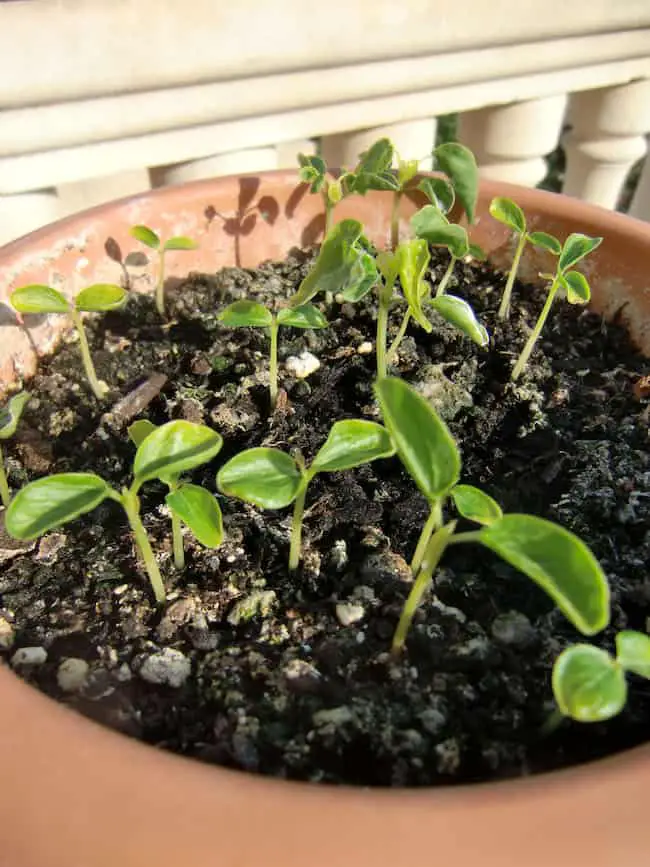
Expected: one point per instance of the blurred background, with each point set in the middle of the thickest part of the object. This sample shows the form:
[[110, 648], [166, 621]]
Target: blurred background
[[100, 99]]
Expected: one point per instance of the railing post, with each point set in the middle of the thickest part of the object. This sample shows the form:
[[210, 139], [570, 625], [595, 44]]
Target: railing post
[[413, 139], [511, 141], [607, 136], [640, 206], [234, 163], [21, 213]]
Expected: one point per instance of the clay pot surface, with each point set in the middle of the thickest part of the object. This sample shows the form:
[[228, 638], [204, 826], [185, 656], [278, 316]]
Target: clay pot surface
[[74, 794]]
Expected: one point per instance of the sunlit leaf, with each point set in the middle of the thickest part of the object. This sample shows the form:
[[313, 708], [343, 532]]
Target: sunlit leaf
[[361, 279], [140, 430], [101, 297], [508, 212], [545, 242], [11, 413], [307, 316], [576, 286], [476, 505], [559, 562], [37, 298], [146, 236], [245, 313], [575, 248], [180, 242], [459, 164], [350, 444], [338, 256], [200, 511], [458, 313], [173, 448], [377, 158], [413, 260], [52, 502], [265, 477], [406, 171], [633, 652], [588, 685], [439, 192], [423, 442], [429, 223]]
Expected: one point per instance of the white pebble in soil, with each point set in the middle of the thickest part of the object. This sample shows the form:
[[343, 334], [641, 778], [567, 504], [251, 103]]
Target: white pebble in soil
[[348, 613], [169, 667], [7, 635], [364, 348], [71, 674], [29, 656], [303, 365]]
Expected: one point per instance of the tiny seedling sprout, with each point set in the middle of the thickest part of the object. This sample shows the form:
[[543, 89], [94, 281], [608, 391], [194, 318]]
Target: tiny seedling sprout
[[152, 240], [271, 479], [574, 283], [250, 314], [510, 214], [165, 453], [313, 171], [559, 562], [9, 418], [98, 298]]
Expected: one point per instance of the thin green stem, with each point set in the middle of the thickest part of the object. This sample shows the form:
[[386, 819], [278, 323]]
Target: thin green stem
[[5, 493], [435, 550], [552, 723], [160, 284], [394, 219], [432, 523], [392, 352], [470, 536], [177, 536], [273, 362], [504, 308], [537, 330], [131, 505], [329, 211], [446, 277], [382, 329], [296, 526], [100, 389]]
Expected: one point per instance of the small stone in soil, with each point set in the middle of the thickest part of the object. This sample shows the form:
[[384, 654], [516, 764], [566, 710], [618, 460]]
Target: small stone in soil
[[25, 657], [348, 613], [7, 635], [257, 602], [364, 348], [303, 365], [71, 674], [169, 667], [514, 628], [339, 554]]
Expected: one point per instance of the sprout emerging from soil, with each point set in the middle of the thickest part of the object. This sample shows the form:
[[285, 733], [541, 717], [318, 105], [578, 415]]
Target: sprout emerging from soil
[[98, 298], [559, 562], [164, 454], [508, 212], [9, 418], [590, 685], [271, 479], [574, 283], [152, 240], [250, 314]]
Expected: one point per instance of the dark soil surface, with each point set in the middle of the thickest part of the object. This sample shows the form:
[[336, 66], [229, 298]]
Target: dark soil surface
[[290, 676]]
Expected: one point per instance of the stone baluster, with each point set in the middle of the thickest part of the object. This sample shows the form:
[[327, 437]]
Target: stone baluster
[[21, 213], [413, 139], [233, 163], [510, 142], [640, 207], [607, 137]]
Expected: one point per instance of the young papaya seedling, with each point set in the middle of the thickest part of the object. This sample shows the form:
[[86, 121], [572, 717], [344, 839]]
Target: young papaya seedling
[[165, 453], [574, 283], [250, 314], [271, 479], [9, 418], [590, 685], [555, 559], [152, 240], [313, 171], [202, 511], [510, 214], [98, 298]]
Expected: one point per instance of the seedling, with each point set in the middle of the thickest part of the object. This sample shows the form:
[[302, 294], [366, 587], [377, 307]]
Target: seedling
[[559, 562], [271, 479], [313, 171], [508, 212], [574, 283], [9, 418], [590, 685], [188, 503], [152, 240], [98, 298], [164, 454], [250, 314]]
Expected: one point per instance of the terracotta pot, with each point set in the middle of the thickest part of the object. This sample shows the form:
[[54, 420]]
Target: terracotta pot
[[74, 794]]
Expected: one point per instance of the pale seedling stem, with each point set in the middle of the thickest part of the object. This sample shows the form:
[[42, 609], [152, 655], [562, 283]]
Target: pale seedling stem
[[504, 307], [537, 330], [433, 522], [100, 389]]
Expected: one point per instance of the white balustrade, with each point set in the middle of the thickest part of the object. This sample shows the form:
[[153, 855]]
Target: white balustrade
[[640, 206]]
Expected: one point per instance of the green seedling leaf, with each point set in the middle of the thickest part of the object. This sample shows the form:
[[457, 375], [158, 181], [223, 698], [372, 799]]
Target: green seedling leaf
[[423, 442], [146, 236], [576, 286], [140, 430], [588, 685], [312, 171], [477, 252], [11, 413], [406, 171], [575, 248], [545, 242], [245, 313], [458, 313], [350, 444], [363, 276], [101, 297], [439, 192], [559, 562], [633, 652], [52, 502], [459, 164], [388, 266], [265, 477], [335, 191], [200, 511], [378, 157], [413, 258], [38, 299], [173, 448], [307, 316], [336, 260], [508, 212], [432, 225], [382, 181], [180, 242], [475, 505]]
